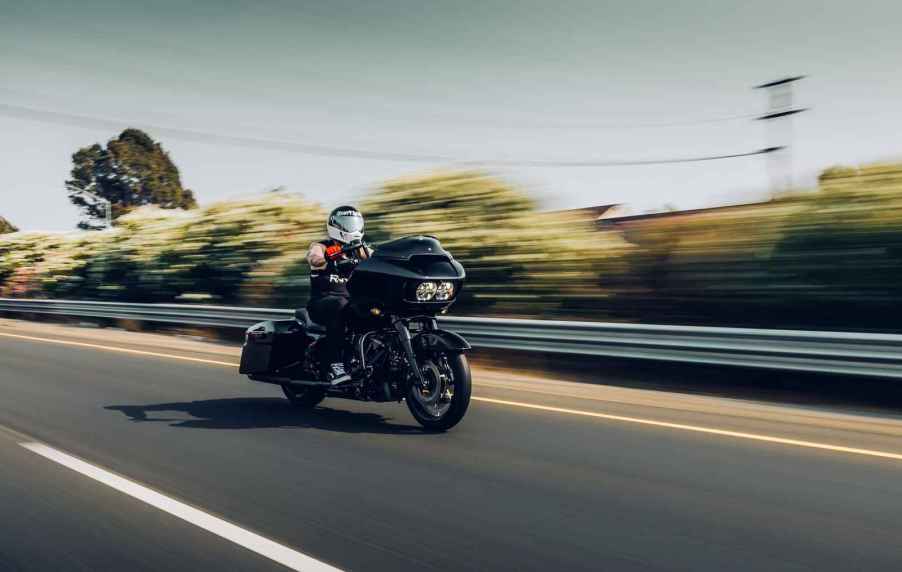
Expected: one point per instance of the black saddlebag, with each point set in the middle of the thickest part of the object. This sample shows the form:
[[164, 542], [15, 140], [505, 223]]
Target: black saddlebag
[[271, 346]]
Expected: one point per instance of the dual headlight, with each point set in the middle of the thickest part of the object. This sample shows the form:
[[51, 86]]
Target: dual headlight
[[440, 291]]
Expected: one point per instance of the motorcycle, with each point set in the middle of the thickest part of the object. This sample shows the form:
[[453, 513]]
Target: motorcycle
[[393, 347]]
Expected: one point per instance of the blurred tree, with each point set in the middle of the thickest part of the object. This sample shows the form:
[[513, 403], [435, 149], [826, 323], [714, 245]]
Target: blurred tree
[[6, 226], [472, 213], [830, 259], [131, 171], [518, 261], [842, 254]]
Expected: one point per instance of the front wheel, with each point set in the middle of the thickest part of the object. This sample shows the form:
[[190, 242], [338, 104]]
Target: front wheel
[[442, 403], [303, 398]]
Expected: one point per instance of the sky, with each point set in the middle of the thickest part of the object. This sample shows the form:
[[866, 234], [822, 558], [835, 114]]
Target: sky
[[465, 81]]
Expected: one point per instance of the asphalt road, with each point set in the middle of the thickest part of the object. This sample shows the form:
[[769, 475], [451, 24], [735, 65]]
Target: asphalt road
[[595, 478]]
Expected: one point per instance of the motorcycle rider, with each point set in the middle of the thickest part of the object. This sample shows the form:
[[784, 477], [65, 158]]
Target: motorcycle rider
[[329, 272]]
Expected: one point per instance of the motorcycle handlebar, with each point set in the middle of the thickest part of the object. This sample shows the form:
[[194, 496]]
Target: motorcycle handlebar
[[354, 246], [349, 248]]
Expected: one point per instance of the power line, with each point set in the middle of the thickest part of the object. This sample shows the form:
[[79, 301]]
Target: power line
[[462, 116], [320, 150], [654, 125], [46, 116], [637, 162], [537, 126], [520, 125]]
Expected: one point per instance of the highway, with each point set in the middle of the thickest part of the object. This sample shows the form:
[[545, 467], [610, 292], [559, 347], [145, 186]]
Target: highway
[[130, 451]]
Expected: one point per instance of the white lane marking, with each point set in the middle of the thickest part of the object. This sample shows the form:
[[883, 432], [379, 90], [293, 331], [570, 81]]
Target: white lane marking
[[117, 349], [699, 429], [263, 546], [622, 418]]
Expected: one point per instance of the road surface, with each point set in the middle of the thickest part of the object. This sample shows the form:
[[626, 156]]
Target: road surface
[[127, 451]]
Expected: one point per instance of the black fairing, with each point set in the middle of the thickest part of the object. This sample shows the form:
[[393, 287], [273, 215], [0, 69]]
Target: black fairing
[[440, 340], [389, 278]]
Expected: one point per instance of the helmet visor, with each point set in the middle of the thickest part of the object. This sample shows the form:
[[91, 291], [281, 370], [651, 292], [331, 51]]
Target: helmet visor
[[348, 222]]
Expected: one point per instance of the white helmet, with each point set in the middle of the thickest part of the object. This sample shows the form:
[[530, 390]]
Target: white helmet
[[345, 224]]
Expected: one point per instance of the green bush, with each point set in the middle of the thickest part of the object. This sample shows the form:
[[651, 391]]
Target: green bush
[[518, 262], [830, 258], [224, 253]]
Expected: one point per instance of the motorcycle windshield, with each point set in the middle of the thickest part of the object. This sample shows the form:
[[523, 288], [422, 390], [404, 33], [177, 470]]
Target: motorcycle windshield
[[410, 246]]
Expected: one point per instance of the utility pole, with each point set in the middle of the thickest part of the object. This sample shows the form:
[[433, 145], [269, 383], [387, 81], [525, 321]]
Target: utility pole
[[778, 122]]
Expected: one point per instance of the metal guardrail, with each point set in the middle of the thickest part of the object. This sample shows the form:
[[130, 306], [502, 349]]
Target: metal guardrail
[[878, 355], [186, 314]]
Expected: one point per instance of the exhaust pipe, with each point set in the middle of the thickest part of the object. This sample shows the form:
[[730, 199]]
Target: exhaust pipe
[[275, 380]]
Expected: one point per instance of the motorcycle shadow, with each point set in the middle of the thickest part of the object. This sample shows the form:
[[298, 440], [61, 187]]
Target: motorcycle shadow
[[262, 413]]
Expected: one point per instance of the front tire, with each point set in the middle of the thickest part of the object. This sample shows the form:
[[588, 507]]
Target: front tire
[[305, 398], [445, 409]]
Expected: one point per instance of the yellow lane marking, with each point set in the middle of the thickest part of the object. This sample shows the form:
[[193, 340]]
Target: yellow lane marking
[[549, 408], [121, 350], [699, 429]]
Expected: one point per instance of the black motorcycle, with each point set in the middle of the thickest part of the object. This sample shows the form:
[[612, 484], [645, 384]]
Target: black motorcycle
[[393, 347]]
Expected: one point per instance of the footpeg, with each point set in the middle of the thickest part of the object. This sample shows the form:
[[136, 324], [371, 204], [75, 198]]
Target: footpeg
[[340, 380]]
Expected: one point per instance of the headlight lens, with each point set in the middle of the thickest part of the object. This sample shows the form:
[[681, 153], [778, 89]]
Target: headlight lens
[[444, 291], [426, 291]]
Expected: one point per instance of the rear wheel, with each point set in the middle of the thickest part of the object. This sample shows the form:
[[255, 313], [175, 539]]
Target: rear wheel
[[444, 400], [305, 397]]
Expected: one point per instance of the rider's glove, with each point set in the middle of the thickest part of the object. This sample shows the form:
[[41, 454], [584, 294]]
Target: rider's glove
[[346, 265]]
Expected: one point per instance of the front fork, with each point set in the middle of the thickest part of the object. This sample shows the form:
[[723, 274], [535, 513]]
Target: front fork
[[404, 336]]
